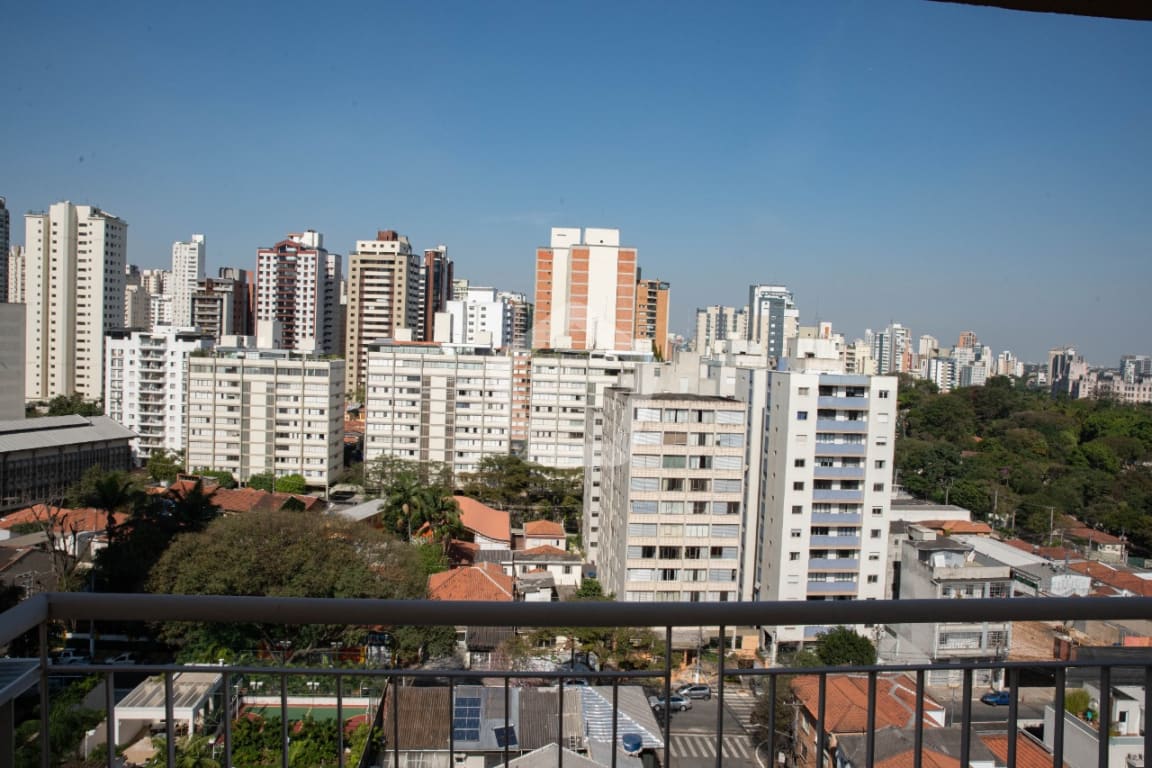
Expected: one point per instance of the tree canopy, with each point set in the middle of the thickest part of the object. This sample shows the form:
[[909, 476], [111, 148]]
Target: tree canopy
[[528, 490], [267, 481], [842, 646], [283, 554], [1014, 456]]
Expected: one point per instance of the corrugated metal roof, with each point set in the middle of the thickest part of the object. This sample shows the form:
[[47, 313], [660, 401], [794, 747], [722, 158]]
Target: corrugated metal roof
[[59, 431]]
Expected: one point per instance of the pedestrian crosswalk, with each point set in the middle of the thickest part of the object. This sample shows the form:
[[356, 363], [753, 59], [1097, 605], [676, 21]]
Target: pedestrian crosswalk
[[740, 703], [686, 745]]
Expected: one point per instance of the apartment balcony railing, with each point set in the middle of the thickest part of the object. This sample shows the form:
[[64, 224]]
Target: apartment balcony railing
[[833, 564], [831, 473], [842, 403], [837, 494], [383, 686], [840, 449], [835, 542], [834, 518], [841, 425]]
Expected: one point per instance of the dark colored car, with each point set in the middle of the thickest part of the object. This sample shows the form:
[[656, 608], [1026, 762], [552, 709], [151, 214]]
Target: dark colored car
[[996, 697]]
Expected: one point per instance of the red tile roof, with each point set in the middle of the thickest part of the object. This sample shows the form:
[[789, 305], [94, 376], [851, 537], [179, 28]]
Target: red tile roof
[[255, 500], [483, 520], [544, 529], [486, 581], [846, 702], [1094, 536], [928, 759], [951, 527], [82, 519], [545, 549], [1116, 577], [1029, 754]]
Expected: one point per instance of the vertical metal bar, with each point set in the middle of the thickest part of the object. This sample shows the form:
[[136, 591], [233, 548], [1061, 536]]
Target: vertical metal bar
[[870, 736], [169, 720], [966, 718], [560, 731], [1058, 721], [771, 719], [339, 721], [452, 720], [1013, 714], [918, 738], [1147, 710], [45, 746], [507, 703], [395, 719], [616, 717], [720, 705], [283, 720], [227, 718], [1104, 720], [110, 716], [821, 737], [667, 695], [8, 733]]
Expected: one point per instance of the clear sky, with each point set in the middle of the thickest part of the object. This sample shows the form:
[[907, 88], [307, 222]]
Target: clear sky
[[943, 166]]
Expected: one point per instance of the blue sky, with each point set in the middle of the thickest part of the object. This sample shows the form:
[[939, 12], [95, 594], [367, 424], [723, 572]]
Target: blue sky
[[943, 166]]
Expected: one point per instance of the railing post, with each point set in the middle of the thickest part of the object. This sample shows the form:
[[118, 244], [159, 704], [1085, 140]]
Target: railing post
[[227, 683], [1013, 714], [283, 719], [668, 695], [918, 743], [966, 718], [110, 716], [169, 717], [45, 705], [7, 733], [720, 705], [339, 719], [1104, 716], [1058, 720], [821, 736]]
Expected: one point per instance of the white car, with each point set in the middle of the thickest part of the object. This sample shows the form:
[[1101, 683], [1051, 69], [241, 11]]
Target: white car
[[122, 658]]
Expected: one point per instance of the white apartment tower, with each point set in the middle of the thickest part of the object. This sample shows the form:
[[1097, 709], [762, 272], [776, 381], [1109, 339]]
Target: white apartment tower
[[482, 319], [298, 284], [432, 403], [187, 271], [5, 241], [827, 484], [15, 258], [255, 411], [144, 384], [772, 318], [74, 293], [718, 323], [384, 278], [892, 349], [672, 496]]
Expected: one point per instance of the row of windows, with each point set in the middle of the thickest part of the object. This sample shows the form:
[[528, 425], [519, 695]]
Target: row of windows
[[651, 461], [682, 507], [722, 439], [694, 484], [679, 530]]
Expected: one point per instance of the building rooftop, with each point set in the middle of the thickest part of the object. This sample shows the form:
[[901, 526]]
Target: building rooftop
[[478, 517], [846, 702], [59, 431], [84, 519], [544, 528], [485, 581]]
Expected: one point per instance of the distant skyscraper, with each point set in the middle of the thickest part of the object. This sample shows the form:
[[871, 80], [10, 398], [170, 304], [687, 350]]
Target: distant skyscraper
[[520, 311], [772, 318], [968, 340], [717, 323], [383, 297], [481, 320], [892, 349], [652, 302], [5, 240], [15, 274], [187, 272], [435, 288], [585, 292], [137, 300], [74, 294], [297, 283]]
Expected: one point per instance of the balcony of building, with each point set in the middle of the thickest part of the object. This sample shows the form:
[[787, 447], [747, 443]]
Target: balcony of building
[[821, 472], [837, 518], [834, 542], [838, 494], [842, 403], [842, 425], [457, 716]]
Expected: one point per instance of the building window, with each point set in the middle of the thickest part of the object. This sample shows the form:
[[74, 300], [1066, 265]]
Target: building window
[[877, 486], [802, 390], [798, 485], [801, 415], [875, 533], [795, 533], [793, 556], [797, 509], [798, 463], [873, 579], [877, 511], [879, 464], [883, 394]]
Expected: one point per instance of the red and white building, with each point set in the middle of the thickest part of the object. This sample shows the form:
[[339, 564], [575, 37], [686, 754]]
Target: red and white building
[[298, 284]]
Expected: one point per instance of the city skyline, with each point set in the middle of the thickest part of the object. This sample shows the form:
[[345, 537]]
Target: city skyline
[[1002, 193]]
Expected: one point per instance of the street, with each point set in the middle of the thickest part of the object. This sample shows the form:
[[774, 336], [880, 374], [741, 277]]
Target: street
[[693, 740]]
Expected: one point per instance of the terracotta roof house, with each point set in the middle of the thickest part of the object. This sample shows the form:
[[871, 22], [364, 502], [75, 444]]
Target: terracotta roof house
[[479, 582], [237, 500], [539, 533], [1099, 545], [894, 748], [846, 708], [491, 528]]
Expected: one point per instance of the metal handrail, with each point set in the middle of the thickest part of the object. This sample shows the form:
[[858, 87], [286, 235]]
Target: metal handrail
[[304, 610]]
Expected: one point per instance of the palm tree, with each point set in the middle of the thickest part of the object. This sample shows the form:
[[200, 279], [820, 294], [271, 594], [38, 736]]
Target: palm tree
[[403, 504], [110, 492], [442, 515]]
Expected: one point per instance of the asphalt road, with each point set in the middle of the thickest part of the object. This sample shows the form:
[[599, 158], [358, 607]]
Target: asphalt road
[[693, 740]]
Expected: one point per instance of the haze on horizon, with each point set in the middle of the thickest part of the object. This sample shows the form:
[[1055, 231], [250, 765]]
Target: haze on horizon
[[943, 166]]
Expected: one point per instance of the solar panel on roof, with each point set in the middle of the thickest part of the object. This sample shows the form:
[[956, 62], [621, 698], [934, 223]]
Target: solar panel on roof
[[505, 737], [467, 701], [466, 734]]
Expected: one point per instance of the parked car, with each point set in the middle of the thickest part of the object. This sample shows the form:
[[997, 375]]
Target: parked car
[[121, 658], [69, 656], [695, 691], [997, 698], [676, 703]]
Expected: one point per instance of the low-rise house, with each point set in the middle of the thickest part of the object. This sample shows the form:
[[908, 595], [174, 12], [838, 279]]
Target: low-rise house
[[485, 581], [76, 532], [490, 528], [544, 533], [1082, 729], [565, 567], [846, 711], [894, 748], [1098, 545]]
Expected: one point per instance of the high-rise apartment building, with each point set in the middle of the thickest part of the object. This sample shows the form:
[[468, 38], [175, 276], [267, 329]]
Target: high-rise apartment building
[[827, 485], [482, 319], [5, 242], [15, 256], [892, 349], [432, 403], [652, 303], [145, 376], [383, 297], [672, 496], [772, 318], [137, 300], [75, 257], [968, 339], [585, 292], [188, 260], [213, 308], [255, 411], [298, 284], [520, 312], [717, 323], [435, 289]]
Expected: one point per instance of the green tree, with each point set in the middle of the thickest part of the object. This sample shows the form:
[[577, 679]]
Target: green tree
[[224, 478], [111, 492], [263, 481], [591, 589], [74, 405], [267, 481], [841, 646], [283, 554], [164, 467]]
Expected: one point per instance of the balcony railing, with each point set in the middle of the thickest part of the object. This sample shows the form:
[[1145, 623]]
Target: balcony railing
[[376, 689]]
